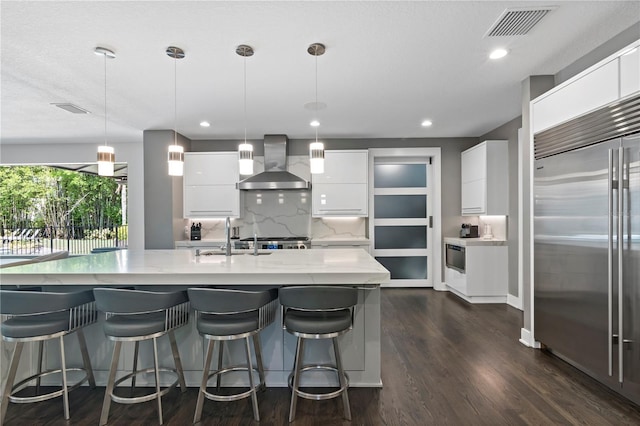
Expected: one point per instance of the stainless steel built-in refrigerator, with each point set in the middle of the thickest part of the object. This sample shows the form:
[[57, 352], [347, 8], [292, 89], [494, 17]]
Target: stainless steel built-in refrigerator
[[587, 244]]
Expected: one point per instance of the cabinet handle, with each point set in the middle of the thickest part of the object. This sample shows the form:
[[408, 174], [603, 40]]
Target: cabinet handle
[[340, 210], [211, 211]]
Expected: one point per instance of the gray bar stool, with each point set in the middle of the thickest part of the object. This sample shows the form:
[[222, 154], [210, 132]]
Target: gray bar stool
[[222, 315], [134, 316], [318, 312], [35, 316]]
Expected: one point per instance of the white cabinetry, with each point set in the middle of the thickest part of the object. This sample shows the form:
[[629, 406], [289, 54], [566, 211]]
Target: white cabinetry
[[596, 88], [630, 72], [485, 279], [485, 179], [616, 77], [342, 189], [210, 185]]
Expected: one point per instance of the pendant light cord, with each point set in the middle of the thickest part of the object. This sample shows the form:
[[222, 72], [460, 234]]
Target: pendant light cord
[[175, 99], [317, 109], [245, 99], [105, 99]]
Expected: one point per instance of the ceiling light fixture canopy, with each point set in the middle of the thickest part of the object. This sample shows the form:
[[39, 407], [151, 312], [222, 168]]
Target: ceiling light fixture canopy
[[245, 150], [175, 155], [106, 154], [316, 149]]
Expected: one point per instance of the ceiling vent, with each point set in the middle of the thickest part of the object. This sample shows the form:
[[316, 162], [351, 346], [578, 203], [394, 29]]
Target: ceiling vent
[[519, 21], [71, 108]]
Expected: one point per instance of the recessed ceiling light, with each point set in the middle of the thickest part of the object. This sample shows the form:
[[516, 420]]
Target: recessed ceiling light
[[427, 123], [205, 124], [498, 53], [314, 123]]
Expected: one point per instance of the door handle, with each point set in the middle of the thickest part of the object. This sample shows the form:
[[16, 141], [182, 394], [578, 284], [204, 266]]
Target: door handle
[[620, 261], [612, 185]]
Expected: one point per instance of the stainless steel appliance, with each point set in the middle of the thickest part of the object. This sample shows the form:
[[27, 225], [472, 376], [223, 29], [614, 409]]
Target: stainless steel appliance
[[455, 257], [469, 231], [275, 243], [275, 175], [587, 244]]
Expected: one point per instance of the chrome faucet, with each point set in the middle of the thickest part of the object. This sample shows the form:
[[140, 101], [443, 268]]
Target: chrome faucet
[[255, 244], [227, 231]]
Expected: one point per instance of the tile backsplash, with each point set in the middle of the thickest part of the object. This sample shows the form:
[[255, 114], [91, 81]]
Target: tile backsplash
[[282, 213]]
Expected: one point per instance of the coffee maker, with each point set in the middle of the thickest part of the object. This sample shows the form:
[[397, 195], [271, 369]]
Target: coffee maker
[[469, 231]]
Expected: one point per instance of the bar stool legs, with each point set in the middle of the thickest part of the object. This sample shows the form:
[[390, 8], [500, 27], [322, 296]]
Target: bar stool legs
[[299, 367], [342, 378], [10, 388], [109, 395], [11, 375], [253, 387]]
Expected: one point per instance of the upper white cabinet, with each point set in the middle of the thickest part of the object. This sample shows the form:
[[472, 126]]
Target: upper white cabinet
[[615, 77], [485, 179], [590, 91], [630, 72], [210, 185], [342, 189]]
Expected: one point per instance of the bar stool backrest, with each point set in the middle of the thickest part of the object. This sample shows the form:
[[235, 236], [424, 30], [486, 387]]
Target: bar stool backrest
[[20, 302], [226, 301], [125, 301], [318, 298]]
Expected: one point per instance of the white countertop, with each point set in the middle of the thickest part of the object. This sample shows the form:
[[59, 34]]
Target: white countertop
[[138, 267], [466, 242]]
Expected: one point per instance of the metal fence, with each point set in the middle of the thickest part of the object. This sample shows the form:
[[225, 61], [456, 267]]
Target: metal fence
[[74, 239]]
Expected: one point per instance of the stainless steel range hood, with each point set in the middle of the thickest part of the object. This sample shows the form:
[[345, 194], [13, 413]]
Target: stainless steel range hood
[[275, 175]]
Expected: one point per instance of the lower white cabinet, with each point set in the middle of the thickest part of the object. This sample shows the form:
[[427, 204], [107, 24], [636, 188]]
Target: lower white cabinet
[[204, 201], [346, 199], [486, 274]]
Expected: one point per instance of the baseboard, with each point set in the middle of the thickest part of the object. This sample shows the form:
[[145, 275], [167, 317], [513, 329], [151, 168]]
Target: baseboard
[[527, 339], [514, 301]]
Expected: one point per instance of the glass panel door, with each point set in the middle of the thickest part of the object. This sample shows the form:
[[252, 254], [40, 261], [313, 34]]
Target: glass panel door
[[401, 234]]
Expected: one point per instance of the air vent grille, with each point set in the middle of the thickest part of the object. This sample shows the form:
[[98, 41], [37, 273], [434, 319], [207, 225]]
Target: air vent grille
[[71, 108], [514, 22]]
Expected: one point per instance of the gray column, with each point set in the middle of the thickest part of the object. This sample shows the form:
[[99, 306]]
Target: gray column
[[162, 193]]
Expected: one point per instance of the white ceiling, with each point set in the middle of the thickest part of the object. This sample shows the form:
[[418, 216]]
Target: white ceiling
[[388, 66]]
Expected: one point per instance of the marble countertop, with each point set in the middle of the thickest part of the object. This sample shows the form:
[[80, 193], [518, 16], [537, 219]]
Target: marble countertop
[[138, 267], [466, 242]]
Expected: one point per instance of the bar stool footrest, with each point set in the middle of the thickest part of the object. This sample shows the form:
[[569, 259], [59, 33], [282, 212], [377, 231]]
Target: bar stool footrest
[[46, 396], [319, 396], [143, 398], [236, 396]]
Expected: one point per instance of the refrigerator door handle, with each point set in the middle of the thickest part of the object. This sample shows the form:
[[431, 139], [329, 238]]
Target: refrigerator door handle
[[620, 262], [612, 186]]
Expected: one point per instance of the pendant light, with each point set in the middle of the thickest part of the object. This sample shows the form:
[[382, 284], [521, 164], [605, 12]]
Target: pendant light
[[316, 149], [106, 154], [176, 152], [245, 150]]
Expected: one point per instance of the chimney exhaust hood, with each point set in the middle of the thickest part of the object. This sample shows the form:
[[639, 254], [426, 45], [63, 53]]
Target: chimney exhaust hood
[[275, 175]]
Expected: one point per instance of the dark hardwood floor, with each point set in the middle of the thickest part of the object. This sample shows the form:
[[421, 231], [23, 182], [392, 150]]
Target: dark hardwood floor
[[443, 362]]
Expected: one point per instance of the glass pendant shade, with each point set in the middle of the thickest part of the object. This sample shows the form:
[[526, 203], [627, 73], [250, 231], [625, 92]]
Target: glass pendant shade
[[245, 158], [106, 160], [176, 160], [316, 157]]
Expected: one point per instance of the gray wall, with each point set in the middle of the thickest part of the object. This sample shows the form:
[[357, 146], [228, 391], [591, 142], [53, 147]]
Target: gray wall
[[162, 193], [509, 131]]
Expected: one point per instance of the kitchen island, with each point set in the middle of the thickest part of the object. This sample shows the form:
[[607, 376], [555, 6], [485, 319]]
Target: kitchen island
[[182, 268]]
